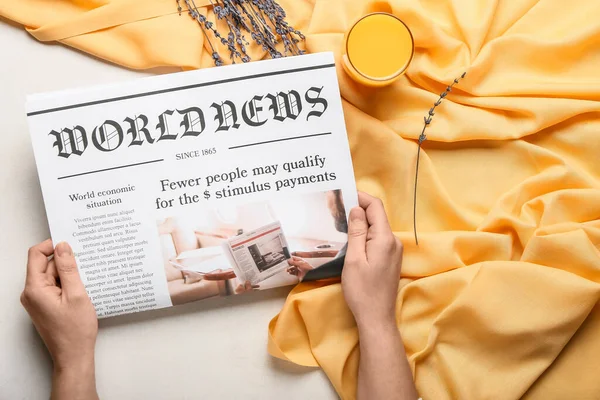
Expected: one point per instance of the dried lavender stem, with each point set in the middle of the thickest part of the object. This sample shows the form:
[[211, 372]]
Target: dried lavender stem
[[260, 20], [422, 138], [415, 195], [192, 7]]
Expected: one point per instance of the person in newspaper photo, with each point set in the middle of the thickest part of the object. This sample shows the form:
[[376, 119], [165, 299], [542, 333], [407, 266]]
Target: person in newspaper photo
[[63, 314], [245, 247], [304, 269]]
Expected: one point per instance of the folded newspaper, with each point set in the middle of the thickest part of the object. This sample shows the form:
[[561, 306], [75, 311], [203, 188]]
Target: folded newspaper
[[206, 183]]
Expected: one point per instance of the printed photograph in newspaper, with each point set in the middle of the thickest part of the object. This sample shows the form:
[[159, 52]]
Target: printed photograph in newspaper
[[233, 249]]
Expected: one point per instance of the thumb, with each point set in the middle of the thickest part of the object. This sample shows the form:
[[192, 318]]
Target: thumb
[[67, 270], [357, 235]]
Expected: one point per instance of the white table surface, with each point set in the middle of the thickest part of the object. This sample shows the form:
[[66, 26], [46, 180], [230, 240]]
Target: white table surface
[[216, 349]]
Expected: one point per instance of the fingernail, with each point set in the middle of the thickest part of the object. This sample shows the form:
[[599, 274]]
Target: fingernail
[[64, 249], [356, 214]]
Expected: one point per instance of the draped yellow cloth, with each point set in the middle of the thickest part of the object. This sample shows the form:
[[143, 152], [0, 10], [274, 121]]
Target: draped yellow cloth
[[500, 300]]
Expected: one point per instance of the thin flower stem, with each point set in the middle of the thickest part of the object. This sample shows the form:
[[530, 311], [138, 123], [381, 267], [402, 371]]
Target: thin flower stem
[[415, 197], [194, 11], [422, 137]]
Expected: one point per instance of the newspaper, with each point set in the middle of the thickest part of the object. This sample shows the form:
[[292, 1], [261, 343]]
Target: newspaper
[[180, 187]]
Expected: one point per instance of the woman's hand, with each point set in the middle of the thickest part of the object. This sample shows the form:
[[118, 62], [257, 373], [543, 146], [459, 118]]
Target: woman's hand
[[298, 267], [372, 267], [243, 287], [64, 316], [370, 284]]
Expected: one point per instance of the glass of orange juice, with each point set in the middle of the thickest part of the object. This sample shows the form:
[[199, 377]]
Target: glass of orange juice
[[378, 49]]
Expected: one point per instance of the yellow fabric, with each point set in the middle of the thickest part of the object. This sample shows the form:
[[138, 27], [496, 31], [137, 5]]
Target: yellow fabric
[[501, 298]]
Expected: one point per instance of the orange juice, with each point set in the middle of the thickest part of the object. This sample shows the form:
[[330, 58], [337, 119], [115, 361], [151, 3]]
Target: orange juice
[[377, 49]]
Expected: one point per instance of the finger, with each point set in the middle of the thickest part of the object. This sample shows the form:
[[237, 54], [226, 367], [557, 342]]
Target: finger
[[364, 199], [380, 238], [37, 258], [67, 271], [50, 281], [376, 216], [247, 285], [51, 270], [294, 262], [255, 286], [51, 275], [357, 235]]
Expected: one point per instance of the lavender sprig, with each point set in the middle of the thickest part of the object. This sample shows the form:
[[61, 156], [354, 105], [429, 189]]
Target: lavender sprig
[[422, 137], [201, 20], [264, 20]]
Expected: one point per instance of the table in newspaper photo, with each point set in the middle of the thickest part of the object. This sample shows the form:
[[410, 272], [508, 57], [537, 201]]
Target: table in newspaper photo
[[192, 351]]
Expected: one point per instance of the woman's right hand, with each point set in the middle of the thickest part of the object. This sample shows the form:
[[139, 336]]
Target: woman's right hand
[[370, 282], [372, 267]]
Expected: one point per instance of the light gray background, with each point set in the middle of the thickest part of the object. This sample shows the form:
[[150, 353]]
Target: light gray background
[[216, 349]]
